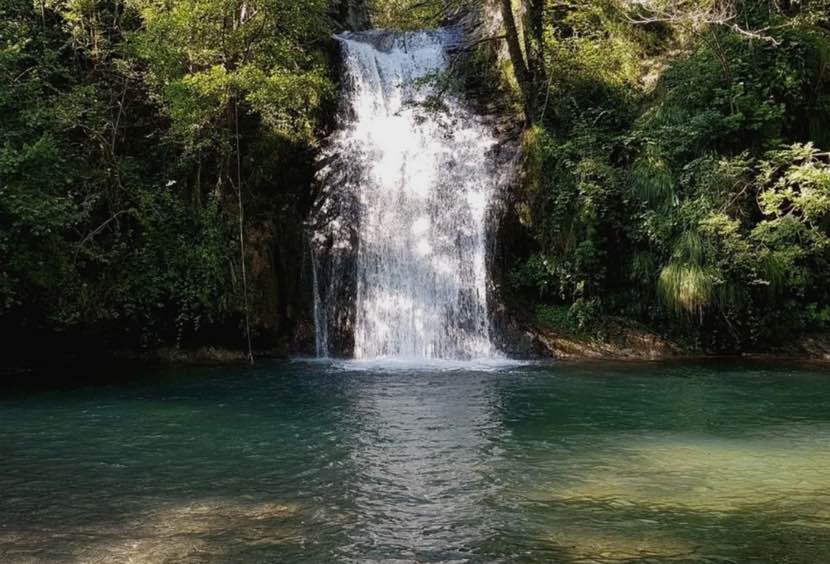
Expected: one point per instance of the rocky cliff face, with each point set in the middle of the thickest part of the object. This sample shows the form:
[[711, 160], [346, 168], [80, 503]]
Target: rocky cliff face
[[352, 15], [483, 52], [279, 255], [474, 60], [281, 264]]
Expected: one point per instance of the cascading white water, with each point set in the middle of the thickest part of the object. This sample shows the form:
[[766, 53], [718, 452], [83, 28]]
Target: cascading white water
[[424, 189]]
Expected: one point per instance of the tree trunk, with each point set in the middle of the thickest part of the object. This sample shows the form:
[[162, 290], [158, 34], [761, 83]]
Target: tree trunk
[[520, 68], [533, 24]]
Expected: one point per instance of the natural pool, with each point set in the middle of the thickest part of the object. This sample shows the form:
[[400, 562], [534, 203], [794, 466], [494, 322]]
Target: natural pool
[[316, 462]]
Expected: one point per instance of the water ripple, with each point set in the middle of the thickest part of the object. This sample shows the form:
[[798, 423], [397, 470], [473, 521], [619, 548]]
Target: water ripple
[[322, 462]]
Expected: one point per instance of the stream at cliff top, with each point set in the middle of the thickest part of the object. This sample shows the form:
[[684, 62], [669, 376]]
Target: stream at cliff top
[[342, 462]]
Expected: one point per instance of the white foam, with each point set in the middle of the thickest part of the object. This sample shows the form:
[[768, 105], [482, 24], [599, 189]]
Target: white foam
[[402, 364], [421, 270]]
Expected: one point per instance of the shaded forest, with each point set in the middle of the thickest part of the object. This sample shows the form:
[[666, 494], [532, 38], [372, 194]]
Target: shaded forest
[[157, 165]]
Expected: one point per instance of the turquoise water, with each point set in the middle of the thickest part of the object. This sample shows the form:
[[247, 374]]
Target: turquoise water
[[314, 462]]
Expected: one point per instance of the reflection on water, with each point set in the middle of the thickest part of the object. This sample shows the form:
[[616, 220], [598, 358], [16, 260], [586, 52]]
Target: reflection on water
[[316, 462], [422, 451]]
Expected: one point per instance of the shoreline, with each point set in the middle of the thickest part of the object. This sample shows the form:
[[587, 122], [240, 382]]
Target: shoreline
[[213, 356]]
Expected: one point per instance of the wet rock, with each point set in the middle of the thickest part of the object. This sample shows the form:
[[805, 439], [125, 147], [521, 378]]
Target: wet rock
[[352, 14]]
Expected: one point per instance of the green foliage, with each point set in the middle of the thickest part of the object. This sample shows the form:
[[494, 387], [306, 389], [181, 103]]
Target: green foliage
[[686, 288], [572, 196], [580, 319], [202, 54], [412, 14], [118, 154], [677, 173], [676, 177], [795, 181]]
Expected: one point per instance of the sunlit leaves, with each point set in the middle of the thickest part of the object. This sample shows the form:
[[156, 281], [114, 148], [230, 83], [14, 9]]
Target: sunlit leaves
[[284, 99], [686, 289], [687, 123], [413, 14], [205, 53], [652, 182], [796, 181]]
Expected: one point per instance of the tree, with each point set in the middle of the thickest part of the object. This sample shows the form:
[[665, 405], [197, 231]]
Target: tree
[[528, 63], [669, 180], [209, 60], [132, 137]]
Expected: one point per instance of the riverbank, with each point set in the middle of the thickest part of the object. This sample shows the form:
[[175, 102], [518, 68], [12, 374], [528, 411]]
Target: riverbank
[[618, 339], [620, 342]]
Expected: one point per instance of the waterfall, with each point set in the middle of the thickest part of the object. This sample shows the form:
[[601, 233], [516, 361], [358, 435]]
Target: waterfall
[[321, 326], [407, 183]]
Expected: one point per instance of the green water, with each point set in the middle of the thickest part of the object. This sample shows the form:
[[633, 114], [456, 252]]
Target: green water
[[310, 462]]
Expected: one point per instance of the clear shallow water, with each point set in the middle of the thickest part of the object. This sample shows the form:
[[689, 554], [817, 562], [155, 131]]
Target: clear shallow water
[[316, 462]]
